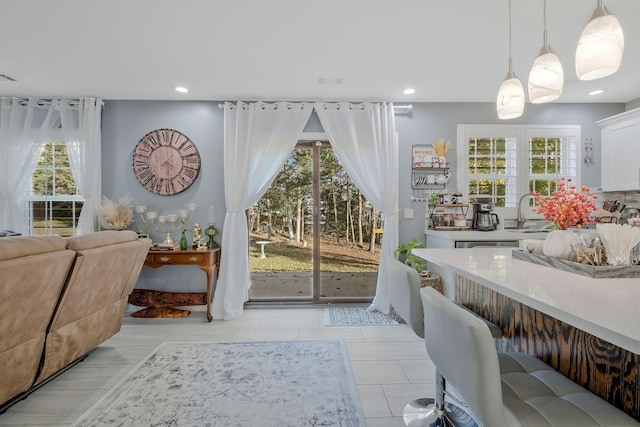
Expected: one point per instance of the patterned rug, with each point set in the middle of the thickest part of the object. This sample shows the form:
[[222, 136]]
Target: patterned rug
[[358, 316], [270, 383]]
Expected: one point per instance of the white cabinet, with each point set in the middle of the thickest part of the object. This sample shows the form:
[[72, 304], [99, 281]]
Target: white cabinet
[[621, 151]]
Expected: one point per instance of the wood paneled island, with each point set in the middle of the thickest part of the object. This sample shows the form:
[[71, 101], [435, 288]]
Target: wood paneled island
[[587, 329]]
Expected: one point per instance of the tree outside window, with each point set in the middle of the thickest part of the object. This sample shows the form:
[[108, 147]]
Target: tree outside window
[[54, 204]]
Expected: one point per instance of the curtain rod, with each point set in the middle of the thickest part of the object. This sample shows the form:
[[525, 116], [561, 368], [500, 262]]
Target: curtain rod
[[43, 102], [408, 107]]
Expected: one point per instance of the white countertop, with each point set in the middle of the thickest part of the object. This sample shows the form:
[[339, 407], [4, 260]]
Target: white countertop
[[606, 308], [474, 235]]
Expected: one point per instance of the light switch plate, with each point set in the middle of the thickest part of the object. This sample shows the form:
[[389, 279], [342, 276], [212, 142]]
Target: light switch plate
[[408, 213]]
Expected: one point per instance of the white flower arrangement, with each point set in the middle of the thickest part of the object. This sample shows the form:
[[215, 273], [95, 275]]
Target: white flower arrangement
[[116, 216]]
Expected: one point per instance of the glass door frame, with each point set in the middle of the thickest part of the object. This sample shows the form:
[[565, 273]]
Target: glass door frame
[[316, 146], [313, 141]]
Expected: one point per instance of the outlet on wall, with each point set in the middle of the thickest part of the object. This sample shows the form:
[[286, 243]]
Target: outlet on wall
[[408, 213]]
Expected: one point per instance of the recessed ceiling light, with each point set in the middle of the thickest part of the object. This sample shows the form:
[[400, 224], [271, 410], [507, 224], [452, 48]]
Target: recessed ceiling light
[[330, 80], [182, 89], [409, 91], [595, 92]]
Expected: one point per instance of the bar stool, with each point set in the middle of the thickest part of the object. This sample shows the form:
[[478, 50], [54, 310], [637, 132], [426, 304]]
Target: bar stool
[[404, 295], [506, 389]]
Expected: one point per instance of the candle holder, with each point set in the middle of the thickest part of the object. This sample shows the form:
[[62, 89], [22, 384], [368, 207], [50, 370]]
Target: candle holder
[[171, 223]]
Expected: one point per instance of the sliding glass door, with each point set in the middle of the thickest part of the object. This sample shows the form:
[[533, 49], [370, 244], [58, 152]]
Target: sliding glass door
[[314, 237]]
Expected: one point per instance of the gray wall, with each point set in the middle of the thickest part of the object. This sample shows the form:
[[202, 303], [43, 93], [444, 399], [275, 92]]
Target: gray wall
[[429, 122], [125, 122]]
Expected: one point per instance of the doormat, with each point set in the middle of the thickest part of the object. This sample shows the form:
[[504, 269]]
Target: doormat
[[267, 383], [358, 316]]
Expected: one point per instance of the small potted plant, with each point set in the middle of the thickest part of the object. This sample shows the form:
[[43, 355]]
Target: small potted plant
[[403, 254]]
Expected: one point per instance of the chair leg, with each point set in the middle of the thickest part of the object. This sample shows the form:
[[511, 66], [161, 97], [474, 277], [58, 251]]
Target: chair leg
[[423, 413], [436, 412], [427, 412]]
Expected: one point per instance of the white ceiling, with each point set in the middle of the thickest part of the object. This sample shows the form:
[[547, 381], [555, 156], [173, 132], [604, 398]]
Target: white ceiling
[[449, 51]]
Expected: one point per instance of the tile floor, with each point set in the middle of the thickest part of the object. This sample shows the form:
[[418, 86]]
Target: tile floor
[[390, 363]]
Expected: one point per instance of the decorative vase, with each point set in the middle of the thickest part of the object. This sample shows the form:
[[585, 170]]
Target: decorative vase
[[183, 241], [559, 244]]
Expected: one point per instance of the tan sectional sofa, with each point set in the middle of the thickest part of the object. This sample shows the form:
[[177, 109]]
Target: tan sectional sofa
[[59, 299]]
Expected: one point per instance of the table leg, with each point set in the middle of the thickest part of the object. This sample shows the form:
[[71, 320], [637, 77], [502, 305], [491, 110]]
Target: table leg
[[209, 271]]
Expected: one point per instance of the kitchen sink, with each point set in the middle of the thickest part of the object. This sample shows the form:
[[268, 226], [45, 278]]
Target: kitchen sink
[[527, 230]]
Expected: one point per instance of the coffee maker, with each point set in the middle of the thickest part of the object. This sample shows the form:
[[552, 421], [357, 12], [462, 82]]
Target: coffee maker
[[483, 217]]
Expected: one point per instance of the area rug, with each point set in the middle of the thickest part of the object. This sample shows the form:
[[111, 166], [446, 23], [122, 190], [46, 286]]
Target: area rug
[[357, 316], [270, 383]]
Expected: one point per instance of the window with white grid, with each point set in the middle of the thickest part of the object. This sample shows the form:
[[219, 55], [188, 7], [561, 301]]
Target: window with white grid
[[54, 204], [503, 162]]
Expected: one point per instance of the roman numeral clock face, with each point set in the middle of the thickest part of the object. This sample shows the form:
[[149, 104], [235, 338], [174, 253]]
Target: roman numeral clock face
[[166, 162]]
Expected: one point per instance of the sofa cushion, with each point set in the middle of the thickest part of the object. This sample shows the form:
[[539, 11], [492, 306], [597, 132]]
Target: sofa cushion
[[90, 310], [100, 238], [33, 271], [20, 246]]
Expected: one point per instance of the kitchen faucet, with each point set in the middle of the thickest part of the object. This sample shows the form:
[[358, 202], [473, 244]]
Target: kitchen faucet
[[520, 220]]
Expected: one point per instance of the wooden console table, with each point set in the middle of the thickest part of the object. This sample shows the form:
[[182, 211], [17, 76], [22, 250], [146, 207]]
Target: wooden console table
[[161, 303]]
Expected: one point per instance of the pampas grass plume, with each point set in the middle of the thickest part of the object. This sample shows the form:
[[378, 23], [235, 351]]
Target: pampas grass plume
[[116, 216]]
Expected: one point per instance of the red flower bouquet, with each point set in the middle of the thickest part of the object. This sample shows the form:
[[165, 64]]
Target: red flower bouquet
[[567, 206]]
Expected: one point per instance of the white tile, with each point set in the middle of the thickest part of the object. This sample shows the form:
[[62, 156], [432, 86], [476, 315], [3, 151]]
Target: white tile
[[266, 334], [398, 395], [419, 371], [202, 335], [373, 400], [389, 334], [348, 334], [382, 351], [378, 372]]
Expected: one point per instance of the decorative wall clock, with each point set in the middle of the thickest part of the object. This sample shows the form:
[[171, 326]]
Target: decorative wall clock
[[166, 162]]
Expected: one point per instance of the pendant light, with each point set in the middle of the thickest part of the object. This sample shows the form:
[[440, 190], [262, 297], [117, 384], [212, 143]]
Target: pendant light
[[600, 47], [546, 77], [510, 102]]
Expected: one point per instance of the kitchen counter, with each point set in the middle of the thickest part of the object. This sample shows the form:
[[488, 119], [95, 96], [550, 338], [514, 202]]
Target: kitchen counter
[[606, 308], [585, 328], [473, 235], [449, 239]]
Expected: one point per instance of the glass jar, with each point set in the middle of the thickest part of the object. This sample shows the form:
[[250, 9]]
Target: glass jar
[[448, 220], [459, 220]]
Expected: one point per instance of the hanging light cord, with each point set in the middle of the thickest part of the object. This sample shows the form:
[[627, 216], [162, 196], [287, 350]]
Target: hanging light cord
[[544, 20], [510, 62]]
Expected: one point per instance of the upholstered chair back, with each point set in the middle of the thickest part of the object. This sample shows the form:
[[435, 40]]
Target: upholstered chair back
[[404, 294], [463, 351]]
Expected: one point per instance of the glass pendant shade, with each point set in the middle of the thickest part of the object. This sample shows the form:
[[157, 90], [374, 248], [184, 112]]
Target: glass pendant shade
[[546, 77], [510, 102], [600, 47]]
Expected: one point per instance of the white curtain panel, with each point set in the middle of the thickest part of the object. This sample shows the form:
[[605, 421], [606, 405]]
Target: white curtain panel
[[24, 127], [81, 127], [258, 137], [364, 139]]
